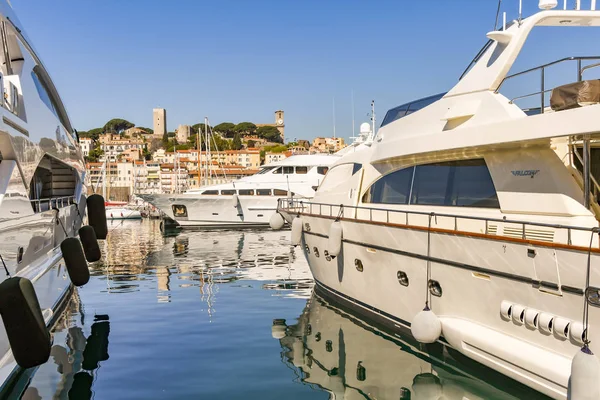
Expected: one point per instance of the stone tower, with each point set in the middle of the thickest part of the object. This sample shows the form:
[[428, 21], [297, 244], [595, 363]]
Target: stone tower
[[160, 122], [280, 123]]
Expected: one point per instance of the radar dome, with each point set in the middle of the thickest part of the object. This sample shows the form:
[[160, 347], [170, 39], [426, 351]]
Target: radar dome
[[365, 127]]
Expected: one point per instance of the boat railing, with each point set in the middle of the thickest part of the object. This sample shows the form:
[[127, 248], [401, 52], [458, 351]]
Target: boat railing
[[519, 229], [40, 205], [580, 69]]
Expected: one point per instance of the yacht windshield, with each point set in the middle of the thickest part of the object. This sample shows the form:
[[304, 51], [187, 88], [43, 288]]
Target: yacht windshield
[[265, 170]]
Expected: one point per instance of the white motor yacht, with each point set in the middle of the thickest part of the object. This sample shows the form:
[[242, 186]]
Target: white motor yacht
[[247, 202], [42, 204], [472, 219]]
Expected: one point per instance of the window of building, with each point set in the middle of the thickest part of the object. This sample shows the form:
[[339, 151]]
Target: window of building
[[464, 183], [279, 192], [263, 192], [302, 170], [228, 192], [246, 192]]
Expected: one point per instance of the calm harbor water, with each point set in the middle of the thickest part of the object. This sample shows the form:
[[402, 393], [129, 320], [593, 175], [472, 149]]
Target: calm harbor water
[[232, 315]]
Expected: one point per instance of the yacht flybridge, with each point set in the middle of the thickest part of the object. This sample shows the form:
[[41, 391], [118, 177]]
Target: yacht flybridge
[[247, 202], [471, 219]]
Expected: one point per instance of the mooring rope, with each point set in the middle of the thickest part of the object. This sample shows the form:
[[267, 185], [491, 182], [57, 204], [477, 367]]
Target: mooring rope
[[586, 303]]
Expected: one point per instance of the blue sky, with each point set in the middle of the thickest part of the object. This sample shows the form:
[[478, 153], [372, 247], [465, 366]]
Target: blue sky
[[240, 60]]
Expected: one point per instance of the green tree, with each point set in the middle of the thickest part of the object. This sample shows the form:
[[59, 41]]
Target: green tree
[[247, 128], [93, 134], [225, 128], [270, 133], [200, 127], [117, 125], [94, 154], [165, 139], [146, 154], [251, 143], [236, 144]]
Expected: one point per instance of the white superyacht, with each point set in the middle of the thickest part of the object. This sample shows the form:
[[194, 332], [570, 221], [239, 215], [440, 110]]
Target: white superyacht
[[42, 204], [247, 202], [472, 221]]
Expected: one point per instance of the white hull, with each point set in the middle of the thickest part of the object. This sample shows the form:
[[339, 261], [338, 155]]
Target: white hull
[[474, 286], [207, 213]]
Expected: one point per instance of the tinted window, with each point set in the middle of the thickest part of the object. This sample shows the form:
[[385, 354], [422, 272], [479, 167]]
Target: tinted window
[[465, 183], [473, 185], [302, 170], [431, 184], [356, 168], [43, 93], [322, 170], [409, 108], [228, 192], [277, 171], [264, 170], [288, 170], [392, 188], [279, 192], [246, 192], [394, 114], [263, 192], [210, 192]]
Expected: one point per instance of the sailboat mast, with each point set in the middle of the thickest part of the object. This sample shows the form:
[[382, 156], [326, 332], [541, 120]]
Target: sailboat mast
[[207, 148], [373, 117], [198, 163]]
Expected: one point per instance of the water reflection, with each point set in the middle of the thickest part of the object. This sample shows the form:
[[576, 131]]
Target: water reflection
[[74, 356], [136, 255], [332, 349]]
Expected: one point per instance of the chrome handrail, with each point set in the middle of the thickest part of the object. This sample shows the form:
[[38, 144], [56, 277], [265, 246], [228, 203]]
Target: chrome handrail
[[542, 68], [58, 202], [294, 206]]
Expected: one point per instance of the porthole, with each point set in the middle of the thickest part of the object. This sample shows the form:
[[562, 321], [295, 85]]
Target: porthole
[[435, 288], [359, 265], [402, 278], [592, 295], [316, 251], [179, 210]]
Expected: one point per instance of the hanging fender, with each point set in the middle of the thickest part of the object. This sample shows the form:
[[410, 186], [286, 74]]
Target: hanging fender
[[97, 215], [276, 221], [334, 244], [75, 261], [297, 231], [29, 339], [89, 242]]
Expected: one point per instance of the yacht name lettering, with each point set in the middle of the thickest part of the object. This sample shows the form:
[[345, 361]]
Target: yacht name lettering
[[525, 172]]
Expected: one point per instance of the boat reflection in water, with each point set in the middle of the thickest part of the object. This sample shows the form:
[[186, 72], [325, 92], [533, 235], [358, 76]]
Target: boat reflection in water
[[135, 258], [334, 350], [76, 355]]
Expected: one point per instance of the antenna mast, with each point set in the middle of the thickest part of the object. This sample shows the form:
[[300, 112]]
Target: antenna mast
[[334, 117], [353, 130], [373, 117]]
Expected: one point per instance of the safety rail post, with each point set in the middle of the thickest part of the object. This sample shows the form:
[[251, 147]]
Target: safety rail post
[[543, 92], [579, 72], [370, 215], [455, 223], [486, 226], [524, 237], [387, 216], [569, 236]]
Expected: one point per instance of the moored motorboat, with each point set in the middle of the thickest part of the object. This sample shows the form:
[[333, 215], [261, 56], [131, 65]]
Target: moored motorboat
[[470, 221]]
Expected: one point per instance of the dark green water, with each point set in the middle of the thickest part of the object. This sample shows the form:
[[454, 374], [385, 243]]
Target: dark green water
[[192, 316]]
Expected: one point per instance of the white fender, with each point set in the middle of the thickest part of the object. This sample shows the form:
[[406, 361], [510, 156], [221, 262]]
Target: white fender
[[278, 331], [297, 231], [235, 200], [336, 234], [426, 326], [276, 221], [585, 372]]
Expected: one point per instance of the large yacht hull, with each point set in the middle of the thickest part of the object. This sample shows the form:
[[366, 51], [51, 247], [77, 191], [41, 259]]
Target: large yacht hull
[[216, 213], [477, 273]]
